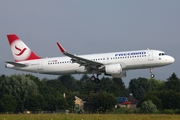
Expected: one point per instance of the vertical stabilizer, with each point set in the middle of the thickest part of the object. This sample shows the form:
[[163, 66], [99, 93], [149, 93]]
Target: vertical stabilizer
[[20, 50]]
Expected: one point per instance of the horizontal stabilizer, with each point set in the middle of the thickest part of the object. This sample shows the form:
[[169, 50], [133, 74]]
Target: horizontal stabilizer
[[17, 64]]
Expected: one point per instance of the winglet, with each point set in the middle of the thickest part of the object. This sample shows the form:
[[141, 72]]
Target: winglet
[[61, 48]]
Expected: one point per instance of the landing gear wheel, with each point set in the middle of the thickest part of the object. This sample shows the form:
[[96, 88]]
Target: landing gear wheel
[[92, 78], [152, 75], [97, 81]]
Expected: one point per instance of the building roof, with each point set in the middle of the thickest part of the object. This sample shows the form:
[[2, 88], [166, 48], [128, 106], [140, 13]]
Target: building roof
[[122, 99], [132, 99]]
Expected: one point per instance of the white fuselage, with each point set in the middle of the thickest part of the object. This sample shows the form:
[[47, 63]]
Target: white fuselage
[[129, 60]]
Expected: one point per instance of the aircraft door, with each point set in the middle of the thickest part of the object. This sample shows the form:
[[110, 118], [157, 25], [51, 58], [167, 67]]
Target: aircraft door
[[40, 65], [150, 55]]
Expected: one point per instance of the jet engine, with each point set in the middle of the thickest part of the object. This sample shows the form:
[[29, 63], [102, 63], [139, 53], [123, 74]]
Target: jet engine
[[115, 70]]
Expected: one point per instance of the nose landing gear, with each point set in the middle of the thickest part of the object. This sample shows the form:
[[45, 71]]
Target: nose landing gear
[[152, 75]]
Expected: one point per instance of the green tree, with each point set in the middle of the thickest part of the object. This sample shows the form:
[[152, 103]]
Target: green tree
[[121, 88], [87, 88], [52, 86], [103, 102], [148, 107], [84, 78], [39, 83], [138, 87], [34, 102], [105, 83], [170, 99], [50, 102], [173, 77], [19, 86], [69, 82], [173, 83], [156, 101], [55, 102], [8, 103], [70, 100], [2, 77], [155, 85], [61, 102]]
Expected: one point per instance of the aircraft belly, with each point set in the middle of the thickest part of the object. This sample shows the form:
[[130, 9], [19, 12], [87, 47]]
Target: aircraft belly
[[143, 66], [137, 64], [64, 69]]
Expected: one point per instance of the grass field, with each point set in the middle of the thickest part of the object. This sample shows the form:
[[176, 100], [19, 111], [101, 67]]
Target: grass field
[[88, 117]]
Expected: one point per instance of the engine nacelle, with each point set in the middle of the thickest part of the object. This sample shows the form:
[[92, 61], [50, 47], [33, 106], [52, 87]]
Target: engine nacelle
[[121, 75], [113, 69]]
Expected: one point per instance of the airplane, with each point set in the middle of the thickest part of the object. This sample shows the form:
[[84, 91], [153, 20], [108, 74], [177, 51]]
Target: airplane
[[113, 64]]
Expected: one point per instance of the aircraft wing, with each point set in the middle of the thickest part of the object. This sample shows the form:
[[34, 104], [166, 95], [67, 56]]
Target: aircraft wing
[[17, 64], [82, 61]]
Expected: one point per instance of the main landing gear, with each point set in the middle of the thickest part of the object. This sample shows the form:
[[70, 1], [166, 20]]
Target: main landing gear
[[95, 79], [152, 75]]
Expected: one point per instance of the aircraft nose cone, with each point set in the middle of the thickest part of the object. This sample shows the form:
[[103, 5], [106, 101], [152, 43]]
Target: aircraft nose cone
[[172, 59]]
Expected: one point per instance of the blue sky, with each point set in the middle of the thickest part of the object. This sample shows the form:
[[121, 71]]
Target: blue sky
[[94, 26]]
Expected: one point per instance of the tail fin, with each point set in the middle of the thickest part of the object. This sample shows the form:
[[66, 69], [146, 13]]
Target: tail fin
[[20, 50]]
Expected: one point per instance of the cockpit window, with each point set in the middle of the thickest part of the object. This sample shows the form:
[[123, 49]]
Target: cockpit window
[[162, 54]]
